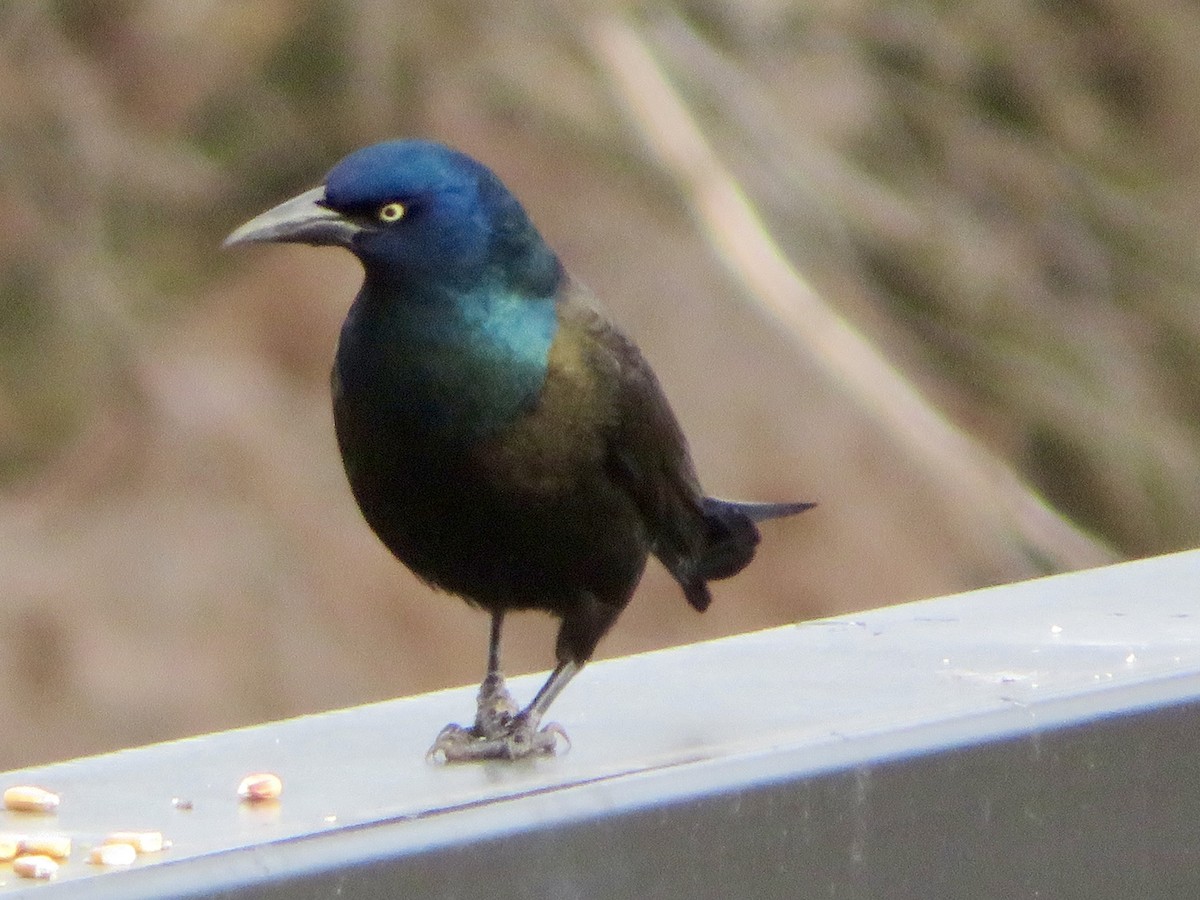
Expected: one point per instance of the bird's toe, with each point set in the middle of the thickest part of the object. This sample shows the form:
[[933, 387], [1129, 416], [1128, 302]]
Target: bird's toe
[[450, 744]]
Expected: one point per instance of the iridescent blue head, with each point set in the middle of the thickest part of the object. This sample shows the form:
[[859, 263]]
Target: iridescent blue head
[[452, 329], [418, 213]]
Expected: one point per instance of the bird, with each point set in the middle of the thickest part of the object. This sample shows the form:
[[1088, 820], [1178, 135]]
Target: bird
[[501, 436]]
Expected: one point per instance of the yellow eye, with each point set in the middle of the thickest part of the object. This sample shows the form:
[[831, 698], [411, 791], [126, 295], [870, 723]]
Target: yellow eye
[[391, 212]]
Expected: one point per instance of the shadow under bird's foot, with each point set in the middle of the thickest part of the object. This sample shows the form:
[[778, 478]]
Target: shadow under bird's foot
[[499, 732]]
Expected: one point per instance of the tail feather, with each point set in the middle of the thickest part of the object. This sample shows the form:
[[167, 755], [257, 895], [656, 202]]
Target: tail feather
[[755, 512], [731, 537]]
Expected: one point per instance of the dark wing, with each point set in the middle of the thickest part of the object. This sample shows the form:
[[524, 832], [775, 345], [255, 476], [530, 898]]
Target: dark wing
[[646, 451]]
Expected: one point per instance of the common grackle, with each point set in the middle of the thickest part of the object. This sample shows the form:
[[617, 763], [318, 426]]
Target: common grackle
[[502, 438]]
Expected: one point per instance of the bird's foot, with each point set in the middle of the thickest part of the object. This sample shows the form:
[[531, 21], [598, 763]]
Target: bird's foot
[[520, 739], [499, 732]]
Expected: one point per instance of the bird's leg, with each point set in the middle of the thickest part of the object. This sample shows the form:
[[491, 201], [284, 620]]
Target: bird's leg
[[495, 706], [524, 737], [494, 710], [541, 701]]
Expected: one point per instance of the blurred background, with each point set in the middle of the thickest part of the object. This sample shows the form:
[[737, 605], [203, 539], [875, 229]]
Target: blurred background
[[932, 265]]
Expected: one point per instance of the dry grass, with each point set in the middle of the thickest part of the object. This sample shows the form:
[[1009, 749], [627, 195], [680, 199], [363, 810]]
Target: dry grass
[[995, 203]]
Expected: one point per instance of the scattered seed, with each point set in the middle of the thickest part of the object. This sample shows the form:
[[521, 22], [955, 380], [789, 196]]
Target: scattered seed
[[260, 786], [27, 798], [35, 866], [182, 803], [55, 845], [141, 841], [113, 855]]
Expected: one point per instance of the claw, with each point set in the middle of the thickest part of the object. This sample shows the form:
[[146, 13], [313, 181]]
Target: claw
[[554, 730], [448, 739]]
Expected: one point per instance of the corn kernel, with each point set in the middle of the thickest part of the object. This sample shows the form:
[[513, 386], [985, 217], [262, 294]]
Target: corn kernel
[[27, 798], [35, 866], [141, 841], [55, 845], [10, 846], [260, 786], [113, 855]]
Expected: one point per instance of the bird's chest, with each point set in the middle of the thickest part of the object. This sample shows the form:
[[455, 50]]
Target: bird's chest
[[513, 412], [442, 374]]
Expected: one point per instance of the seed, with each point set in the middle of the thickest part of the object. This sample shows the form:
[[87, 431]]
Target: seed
[[55, 845], [260, 786], [10, 846], [27, 798], [141, 841], [113, 855], [35, 866]]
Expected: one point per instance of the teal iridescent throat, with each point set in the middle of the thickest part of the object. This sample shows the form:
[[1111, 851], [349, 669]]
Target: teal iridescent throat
[[462, 366]]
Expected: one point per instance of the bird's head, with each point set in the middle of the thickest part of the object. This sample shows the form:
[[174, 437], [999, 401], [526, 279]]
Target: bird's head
[[418, 213]]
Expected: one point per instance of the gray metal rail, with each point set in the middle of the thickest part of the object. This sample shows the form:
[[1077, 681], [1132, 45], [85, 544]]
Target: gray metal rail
[[1033, 740]]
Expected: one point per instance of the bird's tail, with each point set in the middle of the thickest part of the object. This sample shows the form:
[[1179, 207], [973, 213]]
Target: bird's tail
[[731, 536]]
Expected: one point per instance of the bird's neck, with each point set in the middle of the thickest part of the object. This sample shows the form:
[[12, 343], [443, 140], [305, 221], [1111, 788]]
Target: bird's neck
[[445, 362]]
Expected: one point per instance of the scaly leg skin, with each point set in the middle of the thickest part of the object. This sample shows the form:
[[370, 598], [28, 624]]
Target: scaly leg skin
[[495, 707]]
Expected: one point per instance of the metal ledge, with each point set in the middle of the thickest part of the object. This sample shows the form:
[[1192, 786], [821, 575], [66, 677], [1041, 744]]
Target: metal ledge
[[1037, 739]]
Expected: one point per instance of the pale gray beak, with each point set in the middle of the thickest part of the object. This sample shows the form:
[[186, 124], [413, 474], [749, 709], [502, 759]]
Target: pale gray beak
[[301, 220]]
